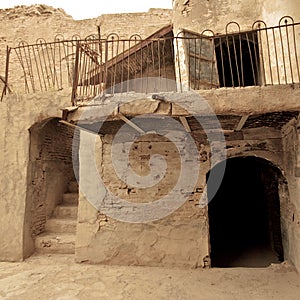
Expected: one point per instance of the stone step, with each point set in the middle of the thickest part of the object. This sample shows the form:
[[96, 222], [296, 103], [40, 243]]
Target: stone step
[[55, 243], [61, 225], [73, 186], [70, 198], [66, 211]]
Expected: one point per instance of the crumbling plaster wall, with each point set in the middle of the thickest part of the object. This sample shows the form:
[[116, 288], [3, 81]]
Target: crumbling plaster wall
[[29, 23], [179, 239], [18, 114], [182, 238], [271, 12], [198, 15], [291, 221], [50, 169], [274, 46]]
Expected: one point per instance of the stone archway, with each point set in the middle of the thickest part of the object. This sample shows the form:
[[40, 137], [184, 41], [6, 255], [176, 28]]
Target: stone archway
[[244, 215], [50, 169]]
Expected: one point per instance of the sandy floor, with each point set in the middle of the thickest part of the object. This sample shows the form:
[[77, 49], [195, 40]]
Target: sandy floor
[[58, 277]]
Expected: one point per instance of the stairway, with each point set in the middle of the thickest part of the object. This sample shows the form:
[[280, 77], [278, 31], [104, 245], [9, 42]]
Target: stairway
[[60, 229]]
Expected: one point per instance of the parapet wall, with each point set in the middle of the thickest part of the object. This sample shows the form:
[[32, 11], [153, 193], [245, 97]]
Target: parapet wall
[[198, 15], [29, 23]]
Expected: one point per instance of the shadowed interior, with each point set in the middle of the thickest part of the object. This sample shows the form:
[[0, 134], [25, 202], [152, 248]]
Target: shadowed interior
[[244, 215]]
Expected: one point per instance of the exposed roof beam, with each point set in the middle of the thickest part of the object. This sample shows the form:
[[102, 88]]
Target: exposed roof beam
[[66, 110], [78, 127], [131, 124], [185, 123], [241, 123]]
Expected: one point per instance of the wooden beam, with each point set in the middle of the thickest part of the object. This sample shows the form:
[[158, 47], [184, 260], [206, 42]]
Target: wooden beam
[[241, 123], [185, 123], [78, 127], [65, 111], [131, 124], [132, 50]]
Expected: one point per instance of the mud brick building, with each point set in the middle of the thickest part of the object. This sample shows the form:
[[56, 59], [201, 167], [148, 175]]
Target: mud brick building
[[227, 72]]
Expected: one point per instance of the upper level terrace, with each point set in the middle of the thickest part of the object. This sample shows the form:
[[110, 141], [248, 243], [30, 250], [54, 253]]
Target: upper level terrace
[[220, 67]]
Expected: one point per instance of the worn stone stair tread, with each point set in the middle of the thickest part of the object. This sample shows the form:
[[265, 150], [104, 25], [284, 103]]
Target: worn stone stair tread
[[55, 243], [70, 198], [61, 225], [66, 210]]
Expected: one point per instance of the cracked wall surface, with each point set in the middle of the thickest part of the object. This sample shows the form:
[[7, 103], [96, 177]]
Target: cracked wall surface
[[181, 238], [50, 169], [18, 114], [19, 111], [36, 23], [215, 14]]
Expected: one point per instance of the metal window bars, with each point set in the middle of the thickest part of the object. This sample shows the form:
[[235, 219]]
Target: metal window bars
[[93, 66]]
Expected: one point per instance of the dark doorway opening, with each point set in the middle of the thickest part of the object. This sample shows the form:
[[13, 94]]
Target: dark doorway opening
[[238, 59], [244, 215]]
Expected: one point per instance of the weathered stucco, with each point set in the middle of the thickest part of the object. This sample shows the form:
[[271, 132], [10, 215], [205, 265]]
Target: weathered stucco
[[18, 114], [235, 101], [29, 24], [179, 239], [216, 14], [182, 237]]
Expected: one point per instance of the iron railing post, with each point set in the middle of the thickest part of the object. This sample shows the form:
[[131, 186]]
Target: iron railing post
[[75, 75], [8, 50]]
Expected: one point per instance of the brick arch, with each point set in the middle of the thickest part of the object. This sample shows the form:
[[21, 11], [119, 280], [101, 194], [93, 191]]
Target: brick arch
[[266, 156], [50, 168], [248, 209]]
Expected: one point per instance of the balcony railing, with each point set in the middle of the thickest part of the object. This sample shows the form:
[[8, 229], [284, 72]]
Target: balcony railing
[[162, 62]]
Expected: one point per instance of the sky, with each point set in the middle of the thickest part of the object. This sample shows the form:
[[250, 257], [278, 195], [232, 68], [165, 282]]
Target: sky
[[93, 8]]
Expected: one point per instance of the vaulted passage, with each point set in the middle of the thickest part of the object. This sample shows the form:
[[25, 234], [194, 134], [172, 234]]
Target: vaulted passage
[[244, 215]]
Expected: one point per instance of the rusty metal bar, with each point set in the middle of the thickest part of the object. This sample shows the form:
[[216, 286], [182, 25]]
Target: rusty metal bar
[[213, 64], [296, 53], [251, 59], [4, 92], [263, 55], [283, 56], [269, 56], [76, 76], [241, 60], [261, 58], [276, 55]]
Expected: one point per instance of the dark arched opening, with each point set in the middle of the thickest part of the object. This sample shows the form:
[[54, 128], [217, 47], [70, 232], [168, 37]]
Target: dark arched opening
[[244, 215], [238, 60]]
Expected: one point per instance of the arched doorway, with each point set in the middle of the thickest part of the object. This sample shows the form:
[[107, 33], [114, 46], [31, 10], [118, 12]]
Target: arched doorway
[[244, 215], [50, 170]]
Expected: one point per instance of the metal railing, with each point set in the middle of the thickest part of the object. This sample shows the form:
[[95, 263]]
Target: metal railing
[[117, 65], [41, 66], [261, 56]]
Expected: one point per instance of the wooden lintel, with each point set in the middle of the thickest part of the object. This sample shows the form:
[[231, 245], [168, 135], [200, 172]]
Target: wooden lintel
[[131, 124], [241, 123], [79, 127], [67, 110], [185, 123]]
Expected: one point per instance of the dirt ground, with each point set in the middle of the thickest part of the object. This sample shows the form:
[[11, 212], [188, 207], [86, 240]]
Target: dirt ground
[[58, 277]]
